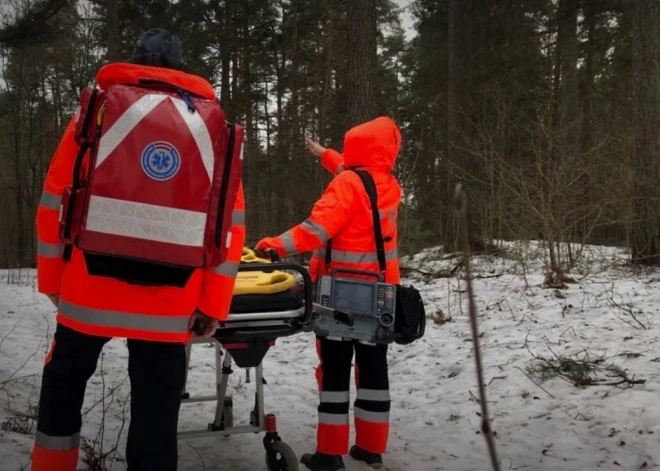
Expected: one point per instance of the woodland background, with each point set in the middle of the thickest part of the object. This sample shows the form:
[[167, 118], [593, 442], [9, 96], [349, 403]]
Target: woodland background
[[547, 110]]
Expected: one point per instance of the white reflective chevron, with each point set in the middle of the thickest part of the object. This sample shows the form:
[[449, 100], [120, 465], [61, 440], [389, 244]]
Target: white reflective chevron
[[125, 124], [139, 110], [200, 133], [146, 221]]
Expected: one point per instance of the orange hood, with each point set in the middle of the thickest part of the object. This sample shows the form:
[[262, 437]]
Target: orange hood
[[374, 144], [120, 72]]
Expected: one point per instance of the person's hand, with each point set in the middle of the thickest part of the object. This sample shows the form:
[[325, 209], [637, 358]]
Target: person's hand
[[314, 148], [267, 243], [209, 324], [54, 298]]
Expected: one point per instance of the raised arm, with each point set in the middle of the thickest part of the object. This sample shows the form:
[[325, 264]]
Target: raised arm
[[331, 160], [329, 215]]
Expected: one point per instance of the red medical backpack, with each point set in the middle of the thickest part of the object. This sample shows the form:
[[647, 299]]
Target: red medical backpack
[[156, 177]]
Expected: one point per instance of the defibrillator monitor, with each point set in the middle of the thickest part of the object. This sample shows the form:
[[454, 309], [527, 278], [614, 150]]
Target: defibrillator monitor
[[354, 296], [358, 309]]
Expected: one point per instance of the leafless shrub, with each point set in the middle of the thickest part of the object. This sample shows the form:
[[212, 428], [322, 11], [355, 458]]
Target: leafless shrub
[[626, 311], [22, 422]]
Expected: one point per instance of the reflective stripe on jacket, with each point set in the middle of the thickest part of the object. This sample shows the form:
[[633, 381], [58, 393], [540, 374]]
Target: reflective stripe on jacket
[[343, 212], [109, 307]]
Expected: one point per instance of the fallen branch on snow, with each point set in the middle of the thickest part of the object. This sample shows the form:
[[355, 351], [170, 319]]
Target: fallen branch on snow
[[582, 371]]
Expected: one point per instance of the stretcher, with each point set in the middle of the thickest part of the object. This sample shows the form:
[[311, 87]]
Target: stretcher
[[271, 300]]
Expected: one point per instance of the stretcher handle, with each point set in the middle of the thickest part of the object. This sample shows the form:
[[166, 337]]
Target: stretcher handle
[[308, 294], [270, 253], [355, 271]]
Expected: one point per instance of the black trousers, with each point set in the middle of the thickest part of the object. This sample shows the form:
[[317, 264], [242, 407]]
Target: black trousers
[[157, 374], [372, 404]]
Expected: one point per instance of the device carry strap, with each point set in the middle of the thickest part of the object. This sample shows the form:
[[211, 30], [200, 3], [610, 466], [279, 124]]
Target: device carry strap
[[370, 187]]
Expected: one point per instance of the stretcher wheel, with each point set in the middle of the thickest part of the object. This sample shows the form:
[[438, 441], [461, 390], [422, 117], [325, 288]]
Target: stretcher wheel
[[284, 460]]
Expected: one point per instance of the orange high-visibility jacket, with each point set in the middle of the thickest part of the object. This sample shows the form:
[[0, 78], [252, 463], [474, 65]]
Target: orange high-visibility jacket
[[109, 307], [343, 213]]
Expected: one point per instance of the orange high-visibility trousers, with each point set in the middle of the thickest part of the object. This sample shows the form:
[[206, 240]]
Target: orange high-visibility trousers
[[372, 404]]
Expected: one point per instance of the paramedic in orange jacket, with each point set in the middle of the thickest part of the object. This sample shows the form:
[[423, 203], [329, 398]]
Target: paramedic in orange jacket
[[93, 309], [343, 214]]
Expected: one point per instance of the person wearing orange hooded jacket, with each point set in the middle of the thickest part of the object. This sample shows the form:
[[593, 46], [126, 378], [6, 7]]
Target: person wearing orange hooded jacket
[[155, 320], [343, 215]]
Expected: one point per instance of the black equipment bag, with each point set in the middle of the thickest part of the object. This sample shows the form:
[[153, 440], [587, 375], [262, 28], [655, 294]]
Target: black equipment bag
[[410, 317]]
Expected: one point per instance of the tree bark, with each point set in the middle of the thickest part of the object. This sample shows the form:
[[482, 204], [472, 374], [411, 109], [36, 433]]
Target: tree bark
[[362, 35], [568, 110], [226, 42], [646, 105], [112, 24], [459, 90]]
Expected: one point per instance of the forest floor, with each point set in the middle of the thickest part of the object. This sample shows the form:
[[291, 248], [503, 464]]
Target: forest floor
[[551, 357]]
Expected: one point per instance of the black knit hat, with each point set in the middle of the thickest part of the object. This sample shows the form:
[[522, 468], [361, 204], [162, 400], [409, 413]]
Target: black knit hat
[[158, 48]]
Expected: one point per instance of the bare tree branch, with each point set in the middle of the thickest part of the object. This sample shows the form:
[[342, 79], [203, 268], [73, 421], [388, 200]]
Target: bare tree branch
[[33, 24]]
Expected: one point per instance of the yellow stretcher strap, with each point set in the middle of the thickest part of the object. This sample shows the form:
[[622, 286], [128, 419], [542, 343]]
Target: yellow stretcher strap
[[250, 256], [259, 282]]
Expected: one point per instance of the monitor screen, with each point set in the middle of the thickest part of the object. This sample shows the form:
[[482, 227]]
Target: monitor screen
[[353, 297]]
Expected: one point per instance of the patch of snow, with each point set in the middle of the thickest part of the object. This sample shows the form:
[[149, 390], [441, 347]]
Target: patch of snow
[[435, 419]]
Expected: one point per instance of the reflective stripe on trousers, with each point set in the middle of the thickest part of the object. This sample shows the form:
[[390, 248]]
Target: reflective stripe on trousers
[[326, 418], [57, 443], [333, 409], [373, 405], [374, 417]]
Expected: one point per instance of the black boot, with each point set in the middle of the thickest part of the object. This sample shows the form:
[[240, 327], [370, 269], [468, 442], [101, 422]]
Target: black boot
[[321, 462], [372, 459]]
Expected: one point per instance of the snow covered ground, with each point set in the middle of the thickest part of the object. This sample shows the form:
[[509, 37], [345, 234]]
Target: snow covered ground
[[550, 426]]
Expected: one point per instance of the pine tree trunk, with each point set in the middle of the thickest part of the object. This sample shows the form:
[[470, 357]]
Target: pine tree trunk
[[225, 60], [459, 130], [362, 35], [567, 126], [646, 104], [112, 22]]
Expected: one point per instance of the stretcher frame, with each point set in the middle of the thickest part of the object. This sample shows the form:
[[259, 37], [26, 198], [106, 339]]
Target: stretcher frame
[[256, 333]]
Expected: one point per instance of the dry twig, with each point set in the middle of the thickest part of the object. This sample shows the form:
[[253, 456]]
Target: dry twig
[[460, 208]]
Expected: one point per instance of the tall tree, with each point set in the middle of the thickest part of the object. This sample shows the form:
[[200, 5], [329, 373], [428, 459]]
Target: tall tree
[[646, 101], [362, 58], [112, 30]]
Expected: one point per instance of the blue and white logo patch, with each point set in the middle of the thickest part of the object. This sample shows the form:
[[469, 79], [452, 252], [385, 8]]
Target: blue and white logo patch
[[160, 160]]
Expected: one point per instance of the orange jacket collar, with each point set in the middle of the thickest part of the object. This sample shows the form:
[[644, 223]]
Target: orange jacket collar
[[120, 72], [374, 144]]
